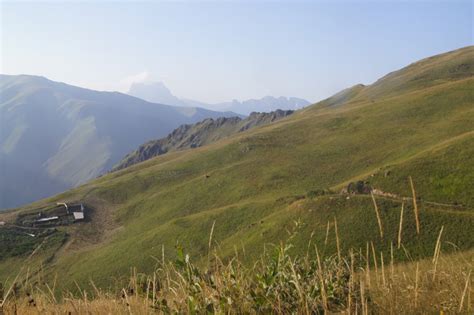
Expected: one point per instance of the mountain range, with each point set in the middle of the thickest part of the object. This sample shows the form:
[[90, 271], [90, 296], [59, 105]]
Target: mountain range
[[55, 136], [157, 92], [404, 142]]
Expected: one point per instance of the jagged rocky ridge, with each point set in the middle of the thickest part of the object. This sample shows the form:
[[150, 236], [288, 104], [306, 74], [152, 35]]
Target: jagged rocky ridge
[[190, 136]]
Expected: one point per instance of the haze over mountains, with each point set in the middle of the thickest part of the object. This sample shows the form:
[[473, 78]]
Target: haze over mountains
[[54, 136], [157, 92]]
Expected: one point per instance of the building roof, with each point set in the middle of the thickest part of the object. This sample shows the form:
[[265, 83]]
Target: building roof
[[47, 219], [78, 215]]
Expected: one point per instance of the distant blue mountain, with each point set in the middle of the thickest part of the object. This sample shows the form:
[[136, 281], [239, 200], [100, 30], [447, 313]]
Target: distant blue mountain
[[159, 93], [54, 136]]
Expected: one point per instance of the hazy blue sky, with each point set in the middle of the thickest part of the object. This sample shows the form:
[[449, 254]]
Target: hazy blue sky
[[216, 51]]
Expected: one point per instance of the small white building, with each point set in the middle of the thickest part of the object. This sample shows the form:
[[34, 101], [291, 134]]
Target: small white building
[[78, 216]]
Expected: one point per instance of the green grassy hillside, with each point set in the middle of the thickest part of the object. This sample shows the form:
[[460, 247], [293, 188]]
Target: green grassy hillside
[[199, 134], [253, 185]]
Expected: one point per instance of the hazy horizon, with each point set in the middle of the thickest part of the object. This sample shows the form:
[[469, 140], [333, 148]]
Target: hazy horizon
[[216, 52]]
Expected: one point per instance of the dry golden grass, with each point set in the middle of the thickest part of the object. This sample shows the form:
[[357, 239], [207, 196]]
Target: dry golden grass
[[413, 289], [415, 206], [280, 283]]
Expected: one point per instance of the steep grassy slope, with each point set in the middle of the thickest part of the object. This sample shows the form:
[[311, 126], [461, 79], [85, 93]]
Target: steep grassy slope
[[439, 69], [54, 136], [254, 184], [444, 173], [199, 134], [342, 97]]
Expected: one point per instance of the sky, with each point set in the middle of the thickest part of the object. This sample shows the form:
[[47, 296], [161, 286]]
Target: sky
[[219, 51]]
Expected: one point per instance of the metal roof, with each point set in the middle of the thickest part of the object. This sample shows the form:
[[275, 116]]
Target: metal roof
[[78, 215], [47, 219]]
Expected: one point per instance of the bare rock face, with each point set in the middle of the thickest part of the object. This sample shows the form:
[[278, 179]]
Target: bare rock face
[[359, 187], [258, 119], [196, 135]]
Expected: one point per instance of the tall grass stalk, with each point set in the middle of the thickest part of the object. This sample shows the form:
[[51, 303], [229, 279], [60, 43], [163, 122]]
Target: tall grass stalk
[[377, 213], [382, 267], [321, 281], [437, 251], [367, 265], [417, 272], [210, 239], [400, 227], [327, 235], [374, 255], [466, 286], [392, 269], [415, 206], [337, 239]]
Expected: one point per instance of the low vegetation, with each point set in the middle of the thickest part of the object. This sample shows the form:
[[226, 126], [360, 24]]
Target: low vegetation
[[353, 282], [22, 241]]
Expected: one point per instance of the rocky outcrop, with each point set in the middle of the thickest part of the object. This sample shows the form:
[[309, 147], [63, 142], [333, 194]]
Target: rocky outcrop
[[359, 187], [196, 135], [258, 119]]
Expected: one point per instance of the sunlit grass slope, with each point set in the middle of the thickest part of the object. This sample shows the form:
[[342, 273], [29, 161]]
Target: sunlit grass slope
[[417, 122]]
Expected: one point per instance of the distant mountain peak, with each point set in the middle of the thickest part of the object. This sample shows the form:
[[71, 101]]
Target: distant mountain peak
[[157, 92], [265, 104]]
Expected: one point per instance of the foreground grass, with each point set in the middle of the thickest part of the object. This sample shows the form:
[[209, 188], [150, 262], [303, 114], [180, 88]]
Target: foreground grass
[[356, 282]]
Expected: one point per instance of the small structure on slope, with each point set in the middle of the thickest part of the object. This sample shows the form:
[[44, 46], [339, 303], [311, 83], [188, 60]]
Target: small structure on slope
[[47, 219], [359, 187], [54, 215], [78, 214]]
